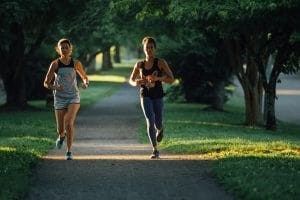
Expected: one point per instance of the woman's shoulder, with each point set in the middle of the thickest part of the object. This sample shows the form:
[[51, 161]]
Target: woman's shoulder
[[161, 62], [55, 62], [76, 62], [140, 63]]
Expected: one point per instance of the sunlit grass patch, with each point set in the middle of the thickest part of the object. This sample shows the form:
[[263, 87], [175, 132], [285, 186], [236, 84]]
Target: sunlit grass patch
[[260, 177], [213, 148], [4, 148], [107, 78]]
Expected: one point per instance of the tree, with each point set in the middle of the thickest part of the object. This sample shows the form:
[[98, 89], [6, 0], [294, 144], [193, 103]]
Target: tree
[[24, 26], [197, 67], [252, 31]]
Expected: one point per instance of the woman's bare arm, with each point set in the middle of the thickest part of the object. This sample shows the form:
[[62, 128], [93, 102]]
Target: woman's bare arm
[[50, 75], [134, 80], [169, 78], [82, 74]]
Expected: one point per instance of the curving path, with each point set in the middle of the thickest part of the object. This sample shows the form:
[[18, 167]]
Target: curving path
[[109, 163], [287, 106]]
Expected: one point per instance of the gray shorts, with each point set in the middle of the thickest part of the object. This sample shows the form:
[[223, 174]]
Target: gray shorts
[[61, 103]]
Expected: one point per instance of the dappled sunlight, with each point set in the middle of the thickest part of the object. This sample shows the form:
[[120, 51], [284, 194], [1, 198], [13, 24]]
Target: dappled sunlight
[[107, 78], [25, 139], [111, 150], [222, 147], [126, 157], [203, 123], [28, 144], [7, 149], [287, 92]]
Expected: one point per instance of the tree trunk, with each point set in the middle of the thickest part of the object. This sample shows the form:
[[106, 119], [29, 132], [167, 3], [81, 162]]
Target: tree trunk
[[270, 107], [106, 61], [14, 79], [253, 94], [280, 58], [252, 112], [117, 57], [15, 91], [247, 73], [270, 87], [89, 62]]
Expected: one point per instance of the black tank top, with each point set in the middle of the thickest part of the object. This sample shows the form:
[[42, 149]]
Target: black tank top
[[154, 90], [62, 65]]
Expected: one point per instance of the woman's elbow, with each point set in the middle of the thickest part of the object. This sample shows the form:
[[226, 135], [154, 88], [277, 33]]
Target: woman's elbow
[[131, 82], [171, 80], [46, 84]]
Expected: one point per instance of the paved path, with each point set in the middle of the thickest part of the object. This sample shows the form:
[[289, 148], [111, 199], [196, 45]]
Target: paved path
[[287, 106], [110, 164]]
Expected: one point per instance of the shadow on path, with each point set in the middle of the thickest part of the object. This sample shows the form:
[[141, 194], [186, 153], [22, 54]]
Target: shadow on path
[[109, 163]]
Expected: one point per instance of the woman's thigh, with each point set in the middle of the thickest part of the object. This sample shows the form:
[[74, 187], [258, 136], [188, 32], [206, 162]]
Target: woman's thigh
[[72, 112]]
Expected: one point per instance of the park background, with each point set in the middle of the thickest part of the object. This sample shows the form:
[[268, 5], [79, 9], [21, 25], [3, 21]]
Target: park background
[[210, 45]]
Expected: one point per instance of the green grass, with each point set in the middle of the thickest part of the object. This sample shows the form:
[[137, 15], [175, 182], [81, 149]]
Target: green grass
[[25, 136], [252, 163]]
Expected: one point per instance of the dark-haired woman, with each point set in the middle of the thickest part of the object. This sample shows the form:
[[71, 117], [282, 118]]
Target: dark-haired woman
[[149, 75]]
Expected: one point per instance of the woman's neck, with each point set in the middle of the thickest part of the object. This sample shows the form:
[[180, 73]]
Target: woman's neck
[[149, 59], [65, 58]]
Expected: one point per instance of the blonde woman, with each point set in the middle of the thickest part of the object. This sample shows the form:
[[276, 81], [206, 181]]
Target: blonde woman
[[66, 94]]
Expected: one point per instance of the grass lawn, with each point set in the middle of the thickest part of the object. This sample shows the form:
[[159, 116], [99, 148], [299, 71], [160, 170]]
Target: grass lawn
[[26, 136], [251, 163]]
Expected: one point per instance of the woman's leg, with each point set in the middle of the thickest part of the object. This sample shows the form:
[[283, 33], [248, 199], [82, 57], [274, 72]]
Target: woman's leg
[[146, 104], [158, 112], [60, 122], [69, 124]]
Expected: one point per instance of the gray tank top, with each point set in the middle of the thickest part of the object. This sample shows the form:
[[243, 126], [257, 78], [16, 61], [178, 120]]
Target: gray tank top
[[66, 75]]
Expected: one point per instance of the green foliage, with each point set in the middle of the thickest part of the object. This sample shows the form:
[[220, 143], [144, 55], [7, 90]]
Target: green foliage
[[200, 64], [175, 93]]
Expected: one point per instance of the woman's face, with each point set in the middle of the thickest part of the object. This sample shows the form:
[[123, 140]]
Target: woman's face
[[64, 49], [149, 49]]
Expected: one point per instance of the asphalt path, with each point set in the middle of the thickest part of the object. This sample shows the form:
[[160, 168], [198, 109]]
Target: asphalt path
[[287, 106], [109, 162]]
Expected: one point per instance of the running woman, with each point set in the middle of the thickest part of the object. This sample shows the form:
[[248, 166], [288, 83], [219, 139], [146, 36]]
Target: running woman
[[66, 94], [149, 75]]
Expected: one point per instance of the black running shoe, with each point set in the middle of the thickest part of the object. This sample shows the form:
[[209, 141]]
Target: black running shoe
[[60, 142], [160, 135], [69, 156], [155, 154]]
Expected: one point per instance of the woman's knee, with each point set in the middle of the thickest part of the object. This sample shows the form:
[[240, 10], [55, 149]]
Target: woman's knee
[[69, 125], [60, 131]]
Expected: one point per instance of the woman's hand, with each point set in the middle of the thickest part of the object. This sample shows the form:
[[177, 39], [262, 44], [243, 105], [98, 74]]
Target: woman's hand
[[84, 85], [153, 78], [140, 81], [150, 78]]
